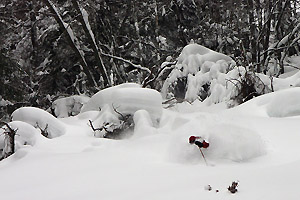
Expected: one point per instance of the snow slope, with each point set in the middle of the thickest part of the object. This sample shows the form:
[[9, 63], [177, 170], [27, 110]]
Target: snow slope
[[256, 144]]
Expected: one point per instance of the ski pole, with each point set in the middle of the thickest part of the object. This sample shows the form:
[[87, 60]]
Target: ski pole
[[203, 157]]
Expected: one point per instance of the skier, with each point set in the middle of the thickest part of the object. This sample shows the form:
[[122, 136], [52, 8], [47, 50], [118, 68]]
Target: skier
[[201, 143]]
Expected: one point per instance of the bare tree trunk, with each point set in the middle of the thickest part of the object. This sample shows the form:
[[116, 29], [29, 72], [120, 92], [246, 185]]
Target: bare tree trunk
[[267, 31], [83, 16], [258, 39], [253, 48], [70, 36], [33, 35]]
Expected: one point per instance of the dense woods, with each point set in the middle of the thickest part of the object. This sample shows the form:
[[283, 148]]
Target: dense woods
[[54, 48]]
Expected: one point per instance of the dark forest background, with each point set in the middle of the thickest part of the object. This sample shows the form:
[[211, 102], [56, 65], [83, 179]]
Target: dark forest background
[[48, 49]]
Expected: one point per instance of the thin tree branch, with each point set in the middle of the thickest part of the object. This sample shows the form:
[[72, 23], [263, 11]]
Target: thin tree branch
[[128, 62]]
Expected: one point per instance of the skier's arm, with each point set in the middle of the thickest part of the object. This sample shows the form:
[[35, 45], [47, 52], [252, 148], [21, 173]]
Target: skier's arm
[[203, 144], [199, 144]]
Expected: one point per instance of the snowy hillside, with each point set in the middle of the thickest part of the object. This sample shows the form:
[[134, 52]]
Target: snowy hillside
[[256, 144], [149, 100]]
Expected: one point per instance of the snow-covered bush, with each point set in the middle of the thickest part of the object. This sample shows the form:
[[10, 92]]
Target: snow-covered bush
[[103, 97], [212, 77], [112, 124], [127, 99], [246, 86], [197, 68], [118, 105], [69, 106], [50, 126], [25, 134]]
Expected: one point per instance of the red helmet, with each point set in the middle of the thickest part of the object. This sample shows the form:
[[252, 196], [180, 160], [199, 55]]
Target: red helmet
[[192, 139]]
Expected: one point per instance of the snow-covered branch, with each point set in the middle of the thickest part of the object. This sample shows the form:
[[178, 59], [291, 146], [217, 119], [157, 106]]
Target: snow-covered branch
[[128, 62], [165, 65]]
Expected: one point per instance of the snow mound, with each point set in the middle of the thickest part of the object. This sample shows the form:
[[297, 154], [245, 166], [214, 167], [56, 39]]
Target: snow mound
[[69, 106], [142, 124], [286, 103], [228, 141], [26, 134], [127, 99], [40, 119], [103, 97], [282, 103]]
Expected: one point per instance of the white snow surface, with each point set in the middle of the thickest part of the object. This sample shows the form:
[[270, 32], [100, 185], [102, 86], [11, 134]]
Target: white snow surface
[[256, 143]]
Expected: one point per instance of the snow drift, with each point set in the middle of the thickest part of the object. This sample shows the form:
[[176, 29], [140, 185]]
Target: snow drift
[[283, 103]]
